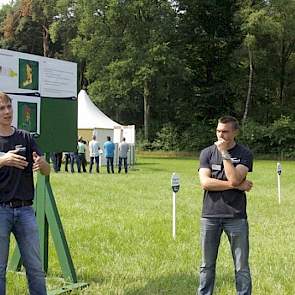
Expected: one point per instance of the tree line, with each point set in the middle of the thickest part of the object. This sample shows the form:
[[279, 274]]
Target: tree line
[[172, 67]]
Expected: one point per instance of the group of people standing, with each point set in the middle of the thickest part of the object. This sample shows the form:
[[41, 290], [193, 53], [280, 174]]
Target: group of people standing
[[223, 171], [79, 156]]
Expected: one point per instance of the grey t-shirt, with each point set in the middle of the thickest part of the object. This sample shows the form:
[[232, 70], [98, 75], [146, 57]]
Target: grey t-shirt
[[229, 203], [123, 149]]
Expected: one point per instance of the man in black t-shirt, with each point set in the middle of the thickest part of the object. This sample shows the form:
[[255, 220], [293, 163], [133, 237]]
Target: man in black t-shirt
[[223, 171], [19, 157]]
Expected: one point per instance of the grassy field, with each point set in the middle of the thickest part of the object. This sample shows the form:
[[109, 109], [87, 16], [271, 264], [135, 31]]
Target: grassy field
[[119, 231]]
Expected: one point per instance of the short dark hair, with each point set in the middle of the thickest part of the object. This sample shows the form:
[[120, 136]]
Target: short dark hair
[[4, 97], [108, 138], [229, 119]]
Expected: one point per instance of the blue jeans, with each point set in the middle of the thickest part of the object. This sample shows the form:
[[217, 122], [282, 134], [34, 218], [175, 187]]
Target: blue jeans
[[237, 231], [82, 162], [110, 164], [22, 223], [74, 158], [120, 164], [92, 159], [67, 161]]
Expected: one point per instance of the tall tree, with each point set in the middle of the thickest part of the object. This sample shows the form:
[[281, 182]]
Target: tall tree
[[132, 53], [209, 36], [43, 13], [19, 31], [270, 25]]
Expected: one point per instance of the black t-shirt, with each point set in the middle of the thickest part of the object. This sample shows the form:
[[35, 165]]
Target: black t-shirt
[[229, 203], [17, 183]]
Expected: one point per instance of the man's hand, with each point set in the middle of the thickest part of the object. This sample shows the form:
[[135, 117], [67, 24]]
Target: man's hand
[[246, 185], [222, 145], [40, 164], [12, 159]]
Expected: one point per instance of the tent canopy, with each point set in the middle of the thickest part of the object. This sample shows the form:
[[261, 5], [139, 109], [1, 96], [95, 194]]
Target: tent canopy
[[90, 116]]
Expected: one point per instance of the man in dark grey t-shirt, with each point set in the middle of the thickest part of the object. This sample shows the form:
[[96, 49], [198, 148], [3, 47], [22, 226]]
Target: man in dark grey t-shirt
[[19, 158], [223, 171]]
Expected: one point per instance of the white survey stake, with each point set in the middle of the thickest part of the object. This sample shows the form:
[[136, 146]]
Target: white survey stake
[[279, 172], [175, 184]]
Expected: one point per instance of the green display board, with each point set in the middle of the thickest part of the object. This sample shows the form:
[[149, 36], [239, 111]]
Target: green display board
[[27, 116], [28, 74], [58, 126]]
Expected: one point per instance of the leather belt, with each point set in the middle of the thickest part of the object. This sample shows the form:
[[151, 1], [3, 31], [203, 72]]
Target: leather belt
[[17, 203]]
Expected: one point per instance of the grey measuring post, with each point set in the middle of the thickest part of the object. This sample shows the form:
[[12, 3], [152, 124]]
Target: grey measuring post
[[279, 172], [175, 184]]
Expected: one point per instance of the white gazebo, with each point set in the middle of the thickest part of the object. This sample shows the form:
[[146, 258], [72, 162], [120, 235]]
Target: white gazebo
[[91, 120]]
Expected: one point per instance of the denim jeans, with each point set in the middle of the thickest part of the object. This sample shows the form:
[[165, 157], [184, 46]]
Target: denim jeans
[[124, 160], [74, 158], [237, 231], [82, 162], [22, 223], [67, 161], [110, 164], [92, 159]]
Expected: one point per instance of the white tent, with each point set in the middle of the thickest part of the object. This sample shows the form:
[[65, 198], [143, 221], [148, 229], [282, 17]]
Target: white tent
[[91, 120], [90, 116]]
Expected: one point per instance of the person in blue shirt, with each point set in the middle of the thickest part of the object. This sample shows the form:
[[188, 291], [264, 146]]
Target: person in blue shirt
[[109, 149]]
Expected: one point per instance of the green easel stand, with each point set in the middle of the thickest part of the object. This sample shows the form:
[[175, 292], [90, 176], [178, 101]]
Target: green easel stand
[[48, 217]]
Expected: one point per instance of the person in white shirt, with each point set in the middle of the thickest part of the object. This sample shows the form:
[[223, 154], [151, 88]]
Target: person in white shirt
[[94, 153], [123, 151]]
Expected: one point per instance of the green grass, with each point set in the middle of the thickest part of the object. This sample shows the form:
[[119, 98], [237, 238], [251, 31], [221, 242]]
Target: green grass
[[118, 228]]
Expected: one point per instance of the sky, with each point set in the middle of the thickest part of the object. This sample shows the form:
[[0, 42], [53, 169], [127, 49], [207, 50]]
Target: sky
[[4, 2]]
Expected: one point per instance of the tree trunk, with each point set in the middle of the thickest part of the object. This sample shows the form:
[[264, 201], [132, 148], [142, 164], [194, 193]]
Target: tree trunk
[[45, 34], [83, 82], [249, 86], [146, 102], [282, 73]]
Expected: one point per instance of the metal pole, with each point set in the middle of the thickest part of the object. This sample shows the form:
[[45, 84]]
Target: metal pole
[[279, 172], [279, 188], [174, 215]]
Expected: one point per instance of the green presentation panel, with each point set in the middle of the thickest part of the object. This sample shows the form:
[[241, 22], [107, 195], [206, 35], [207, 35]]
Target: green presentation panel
[[27, 116], [58, 130], [28, 74]]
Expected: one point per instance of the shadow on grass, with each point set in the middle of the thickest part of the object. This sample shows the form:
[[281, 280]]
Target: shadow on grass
[[146, 164], [149, 166], [157, 169], [180, 284]]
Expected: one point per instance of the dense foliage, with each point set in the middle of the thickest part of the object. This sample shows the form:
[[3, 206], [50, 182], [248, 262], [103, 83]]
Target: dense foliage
[[173, 67]]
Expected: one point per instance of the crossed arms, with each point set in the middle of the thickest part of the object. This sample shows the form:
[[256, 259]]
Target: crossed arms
[[236, 178]]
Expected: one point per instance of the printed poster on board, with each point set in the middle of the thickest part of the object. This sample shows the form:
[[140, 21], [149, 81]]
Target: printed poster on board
[[28, 73], [26, 112]]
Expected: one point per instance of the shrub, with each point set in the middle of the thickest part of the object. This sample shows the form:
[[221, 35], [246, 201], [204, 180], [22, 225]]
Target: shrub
[[277, 138], [166, 139]]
